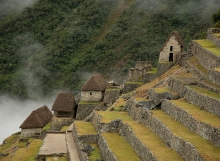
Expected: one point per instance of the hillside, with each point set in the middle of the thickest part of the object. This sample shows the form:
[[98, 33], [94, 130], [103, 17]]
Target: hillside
[[55, 44]]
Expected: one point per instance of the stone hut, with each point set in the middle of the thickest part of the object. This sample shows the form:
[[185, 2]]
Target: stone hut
[[94, 89], [36, 121], [64, 105], [172, 48]]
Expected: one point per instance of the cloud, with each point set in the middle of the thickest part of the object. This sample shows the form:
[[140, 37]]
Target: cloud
[[9, 6], [14, 112]]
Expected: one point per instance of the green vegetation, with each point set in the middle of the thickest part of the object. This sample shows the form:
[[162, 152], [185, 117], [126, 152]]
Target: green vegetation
[[95, 154], [200, 115], [84, 128], [138, 83], [9, 142], [56, 158], [64, 128], [146, 136], [217, 69], [122, 150], [49, 45], [204, 91], [209, 46], [153, 71], [85, 103], [216, 18], [162, 90], [47, 127], [211, 152]]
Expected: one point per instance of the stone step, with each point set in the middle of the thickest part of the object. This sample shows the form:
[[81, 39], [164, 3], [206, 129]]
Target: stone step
[[199, 121], [114, 147], [146, 144], [204, 98], [178, 137], [161, 93]]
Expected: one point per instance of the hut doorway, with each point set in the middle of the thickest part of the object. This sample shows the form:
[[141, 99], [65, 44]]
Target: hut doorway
[[171, 57]]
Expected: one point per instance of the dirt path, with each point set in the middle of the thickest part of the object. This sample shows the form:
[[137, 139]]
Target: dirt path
[[53, 144], [73, 154]]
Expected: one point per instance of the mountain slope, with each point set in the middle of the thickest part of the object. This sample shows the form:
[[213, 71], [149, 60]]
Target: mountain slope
[[52, 44]]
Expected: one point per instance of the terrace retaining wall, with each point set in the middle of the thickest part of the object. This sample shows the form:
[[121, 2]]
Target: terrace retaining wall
[[205, 130]]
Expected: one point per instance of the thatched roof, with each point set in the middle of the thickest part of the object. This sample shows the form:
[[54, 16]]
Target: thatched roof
[[178, 38], [38, 118], [64, 102], [95, 83]]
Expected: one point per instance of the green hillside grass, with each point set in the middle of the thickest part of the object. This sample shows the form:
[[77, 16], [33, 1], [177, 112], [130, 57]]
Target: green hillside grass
[[50, 45]]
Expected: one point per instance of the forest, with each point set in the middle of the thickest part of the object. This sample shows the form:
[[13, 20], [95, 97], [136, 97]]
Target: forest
[[56, 45]]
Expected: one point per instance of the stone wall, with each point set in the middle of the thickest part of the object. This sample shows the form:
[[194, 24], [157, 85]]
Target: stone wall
[[163, 67], [130, 87], [154, 95], [208, 103], [200, 128], [84, 110], [214, 76], [111, 95], [145, 117], [106, 153], [143, 64], [58, 123], [149, 77], [205, 57], [142, 150], [79, 145], [30, 132], [211, 36], [135, 75], [164, 53], [91, 96]]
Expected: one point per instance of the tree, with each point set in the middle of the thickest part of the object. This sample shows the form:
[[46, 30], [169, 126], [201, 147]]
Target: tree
[[216, 18]]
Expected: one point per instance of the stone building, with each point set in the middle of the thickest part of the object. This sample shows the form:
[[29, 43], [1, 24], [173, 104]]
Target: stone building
[[36, 121], [94, 89], [172, 48], [64, 105]]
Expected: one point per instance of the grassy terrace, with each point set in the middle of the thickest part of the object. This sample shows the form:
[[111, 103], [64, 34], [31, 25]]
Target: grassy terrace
[[85, 127], [207, 150], [217, 69], [204, 91], [139, 83], [95, 154], [153, 71], [146, 136], [56, 159], [118, 105], [200, 115], [209, 46], [121, 149], [162, 90], [64, 128], [196, 64]]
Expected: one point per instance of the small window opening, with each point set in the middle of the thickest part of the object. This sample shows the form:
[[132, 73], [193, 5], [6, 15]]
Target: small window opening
[[171, 57], [90, 93], [171, 48]]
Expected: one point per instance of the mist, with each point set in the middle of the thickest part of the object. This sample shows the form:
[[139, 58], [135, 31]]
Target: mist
[[14, 6], [15, 111]]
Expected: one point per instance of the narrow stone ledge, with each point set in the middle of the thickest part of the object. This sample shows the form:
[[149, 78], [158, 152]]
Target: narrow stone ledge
[[204, 130]]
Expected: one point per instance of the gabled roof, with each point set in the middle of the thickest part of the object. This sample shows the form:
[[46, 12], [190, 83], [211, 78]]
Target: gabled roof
[[38, 118], [178, 38], [95, 83], [64, 102]]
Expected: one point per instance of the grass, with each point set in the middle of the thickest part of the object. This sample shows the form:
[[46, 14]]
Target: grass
[[138, 83], [56, 158], [10, 142], [47, 127], [138, 99], [84, 128], [209, 46], [142, 90], [32, 150], [22, 144], [121, 149], [217, 69], [204, 91], [200, 115], [162, 90], [118, 105], [86, 103], [95, 154], [146, 136], [153, 71], [205, 148], [64, 128], [196, 63]]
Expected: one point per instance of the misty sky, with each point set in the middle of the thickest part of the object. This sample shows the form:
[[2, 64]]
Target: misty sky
[[14, 112]]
